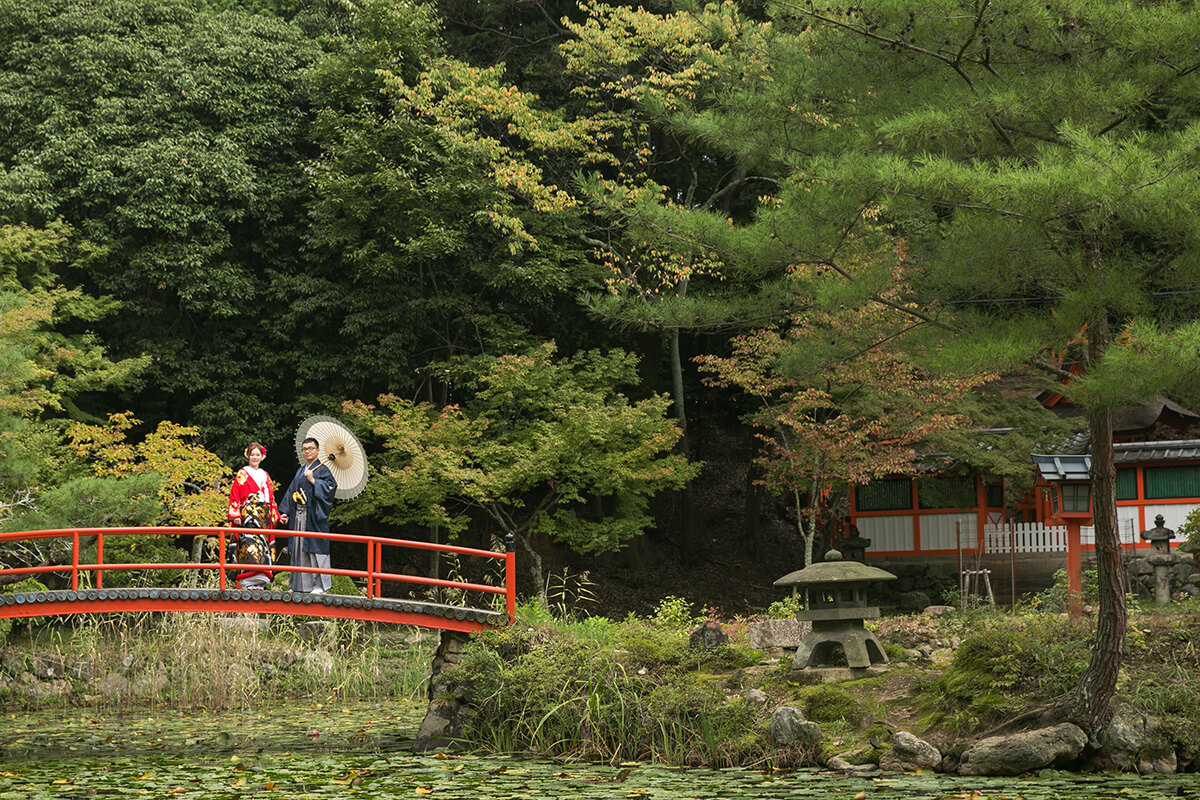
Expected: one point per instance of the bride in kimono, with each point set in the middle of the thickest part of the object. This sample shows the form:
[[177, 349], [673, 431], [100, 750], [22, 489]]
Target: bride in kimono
[[253, 489]]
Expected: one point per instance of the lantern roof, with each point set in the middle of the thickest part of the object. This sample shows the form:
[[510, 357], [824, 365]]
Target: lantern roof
[[833, 570], [1063, 467]]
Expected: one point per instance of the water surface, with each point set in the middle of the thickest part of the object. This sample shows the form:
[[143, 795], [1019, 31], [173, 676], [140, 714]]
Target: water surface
[[360, 750]]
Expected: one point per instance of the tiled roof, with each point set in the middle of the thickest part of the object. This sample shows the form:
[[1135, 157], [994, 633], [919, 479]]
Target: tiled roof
[[1141, 452], [1076, 467]]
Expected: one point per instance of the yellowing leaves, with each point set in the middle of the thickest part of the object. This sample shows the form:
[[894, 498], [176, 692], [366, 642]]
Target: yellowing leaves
[[465, 104], [652, 271], [193, 487]]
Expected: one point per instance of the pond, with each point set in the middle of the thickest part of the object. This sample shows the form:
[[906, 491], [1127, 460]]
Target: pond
[[360, 749]]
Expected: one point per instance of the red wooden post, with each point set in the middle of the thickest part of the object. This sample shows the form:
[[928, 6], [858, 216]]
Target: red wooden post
[[371, 570], [221, 559], [1074, 570], [510, 577], [99, 560], [74, 561], [379, 566]]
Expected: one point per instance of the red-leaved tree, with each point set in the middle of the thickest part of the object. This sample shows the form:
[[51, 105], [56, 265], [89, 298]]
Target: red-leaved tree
[[839, 402]]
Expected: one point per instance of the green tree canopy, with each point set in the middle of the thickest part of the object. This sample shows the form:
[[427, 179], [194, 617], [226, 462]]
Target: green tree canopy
[[543, 447], [52, 364], [169, 138]]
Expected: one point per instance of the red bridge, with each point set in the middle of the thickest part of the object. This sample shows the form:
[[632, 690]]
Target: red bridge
[[88, 594]]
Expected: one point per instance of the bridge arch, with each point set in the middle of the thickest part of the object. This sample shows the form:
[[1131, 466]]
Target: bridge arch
[[87, 593]]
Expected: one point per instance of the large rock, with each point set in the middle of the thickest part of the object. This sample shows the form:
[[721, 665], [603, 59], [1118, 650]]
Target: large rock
[[48, 667], [909, 754], [319, 662], [13, 663], [710, 634], [842, 765], [443, 725], [448, 713], [149, 685], [1024, 752], [788, 726], [111, 684], [1134, 741], [50, 688], [937, 611], [783, 634]]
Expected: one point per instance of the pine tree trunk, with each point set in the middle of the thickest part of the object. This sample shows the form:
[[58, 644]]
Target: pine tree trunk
[[1092, 700]]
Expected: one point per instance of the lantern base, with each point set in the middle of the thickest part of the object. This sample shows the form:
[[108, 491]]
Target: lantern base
[[818, 648]]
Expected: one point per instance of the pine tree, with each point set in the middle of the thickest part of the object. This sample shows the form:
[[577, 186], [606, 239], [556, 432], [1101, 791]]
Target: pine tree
[[1039, 160]]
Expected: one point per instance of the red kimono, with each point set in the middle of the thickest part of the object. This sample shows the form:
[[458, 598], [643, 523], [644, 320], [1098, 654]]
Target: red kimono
[[244, 487]]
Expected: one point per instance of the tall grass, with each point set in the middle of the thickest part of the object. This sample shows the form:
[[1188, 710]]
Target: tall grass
[[226, 661], [601, 690]]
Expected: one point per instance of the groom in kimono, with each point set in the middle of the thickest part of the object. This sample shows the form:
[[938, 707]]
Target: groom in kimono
[[305, 507]]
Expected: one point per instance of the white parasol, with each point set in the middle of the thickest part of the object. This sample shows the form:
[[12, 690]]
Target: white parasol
[[339, 450]]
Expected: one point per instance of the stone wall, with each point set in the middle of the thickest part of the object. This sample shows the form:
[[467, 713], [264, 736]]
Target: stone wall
[[1182, 571], [447, 713]]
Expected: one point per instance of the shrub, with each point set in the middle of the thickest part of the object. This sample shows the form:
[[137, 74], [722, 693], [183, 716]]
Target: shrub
[[603, 690], [1190, 529], [785, 608], [831, 704], [673, 612], [1162, 673], [1055, 597], [1005, 665]]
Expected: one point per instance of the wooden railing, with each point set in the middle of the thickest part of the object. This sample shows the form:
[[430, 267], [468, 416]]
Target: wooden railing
[[86, 578]]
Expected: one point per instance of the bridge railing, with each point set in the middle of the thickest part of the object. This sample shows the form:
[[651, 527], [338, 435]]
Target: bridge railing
[[373, 577]]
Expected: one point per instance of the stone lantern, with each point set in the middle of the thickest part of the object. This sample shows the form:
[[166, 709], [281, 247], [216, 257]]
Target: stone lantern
[[854, 546], [1160, 537], [837, 594]]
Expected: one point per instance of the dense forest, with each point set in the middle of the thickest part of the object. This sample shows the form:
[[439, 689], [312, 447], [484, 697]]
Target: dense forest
[[582, 271]]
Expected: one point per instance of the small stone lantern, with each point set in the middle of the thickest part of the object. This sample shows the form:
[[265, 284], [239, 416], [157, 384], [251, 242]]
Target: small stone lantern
[[837, 607], [1160, 538], [854, 547]]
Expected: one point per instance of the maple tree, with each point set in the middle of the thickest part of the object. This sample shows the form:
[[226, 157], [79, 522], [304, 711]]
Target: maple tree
[[164, 479], [839, 402]]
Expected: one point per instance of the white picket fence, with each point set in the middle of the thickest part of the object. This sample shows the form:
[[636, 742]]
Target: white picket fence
[[1024, 537], [1032, 537]]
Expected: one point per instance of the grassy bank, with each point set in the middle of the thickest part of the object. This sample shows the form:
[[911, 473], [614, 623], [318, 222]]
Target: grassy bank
[[598, 689], [210, 661]]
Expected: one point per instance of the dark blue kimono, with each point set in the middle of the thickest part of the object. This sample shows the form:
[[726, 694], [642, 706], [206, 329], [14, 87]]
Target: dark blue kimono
[[317, 501]]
